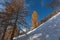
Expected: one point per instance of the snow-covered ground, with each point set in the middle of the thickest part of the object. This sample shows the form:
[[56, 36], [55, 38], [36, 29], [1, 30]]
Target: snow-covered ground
[[50, 30]]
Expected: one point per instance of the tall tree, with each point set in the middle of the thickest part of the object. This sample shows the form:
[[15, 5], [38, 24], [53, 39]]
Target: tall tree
[[15, 11]]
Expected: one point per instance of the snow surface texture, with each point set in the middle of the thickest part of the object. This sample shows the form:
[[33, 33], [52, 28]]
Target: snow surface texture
[[49, 30]]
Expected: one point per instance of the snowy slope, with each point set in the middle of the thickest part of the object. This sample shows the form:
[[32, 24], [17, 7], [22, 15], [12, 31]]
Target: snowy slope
[[49, 30]]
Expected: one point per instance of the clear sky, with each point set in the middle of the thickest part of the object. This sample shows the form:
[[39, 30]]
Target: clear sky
[[40, 6]]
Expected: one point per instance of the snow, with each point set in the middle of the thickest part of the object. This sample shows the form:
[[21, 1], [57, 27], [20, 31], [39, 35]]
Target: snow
[[18, 36], [47, 35], [50, 30]]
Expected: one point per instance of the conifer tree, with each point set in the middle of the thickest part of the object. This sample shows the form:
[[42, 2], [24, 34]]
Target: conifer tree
[[14, 16]]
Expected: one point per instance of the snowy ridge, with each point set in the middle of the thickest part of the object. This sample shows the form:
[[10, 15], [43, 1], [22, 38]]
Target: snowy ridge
[[34, 29], [42, 30], [55, 16], [43, 23], [27, 33], [18, 36]]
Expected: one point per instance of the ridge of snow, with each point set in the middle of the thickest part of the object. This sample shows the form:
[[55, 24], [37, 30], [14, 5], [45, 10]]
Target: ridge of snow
[[35, 29], [38, 26], [27, 33], [19, 36], [55, 16], [43, 23]]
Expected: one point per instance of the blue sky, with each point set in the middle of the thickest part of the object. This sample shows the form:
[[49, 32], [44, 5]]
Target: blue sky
[[40, 6]]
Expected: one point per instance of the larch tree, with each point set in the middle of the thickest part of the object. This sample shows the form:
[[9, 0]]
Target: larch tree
[[14, 16]]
